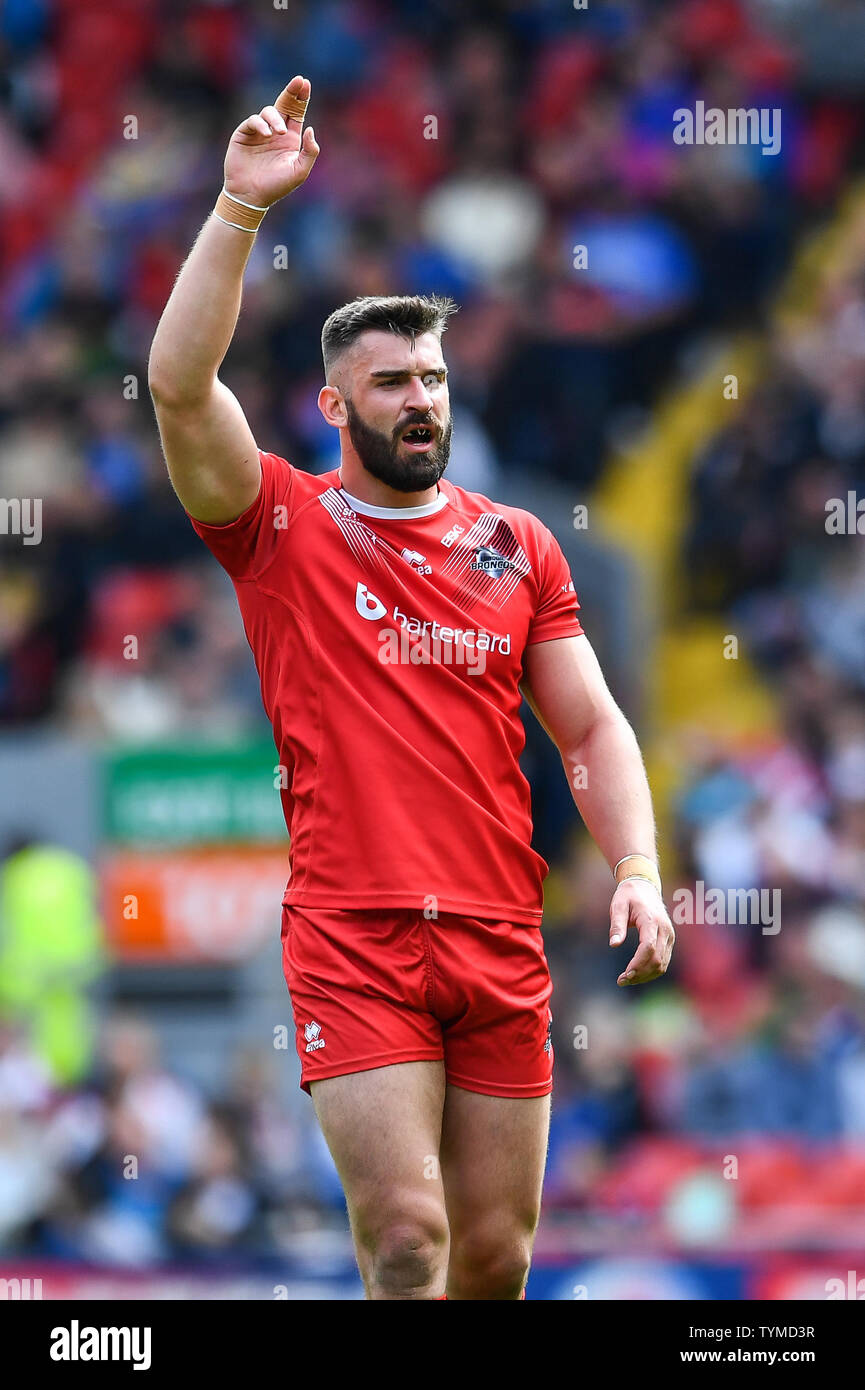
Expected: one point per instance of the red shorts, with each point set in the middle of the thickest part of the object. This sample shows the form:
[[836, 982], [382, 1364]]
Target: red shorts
[[369, 988]]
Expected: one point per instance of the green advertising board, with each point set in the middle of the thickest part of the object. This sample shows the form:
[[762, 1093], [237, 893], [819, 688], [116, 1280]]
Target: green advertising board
[[175, 795]]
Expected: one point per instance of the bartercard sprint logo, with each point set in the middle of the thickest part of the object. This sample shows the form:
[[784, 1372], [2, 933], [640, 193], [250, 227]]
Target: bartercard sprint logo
[[425, 642], [367, 605]]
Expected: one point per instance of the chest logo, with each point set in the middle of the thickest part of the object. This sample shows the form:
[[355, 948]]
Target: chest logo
[[491, 561], [367, 605], [488, 564], [416, 560]]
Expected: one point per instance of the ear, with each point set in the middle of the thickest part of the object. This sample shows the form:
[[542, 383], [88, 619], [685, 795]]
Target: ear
[[332, 406]]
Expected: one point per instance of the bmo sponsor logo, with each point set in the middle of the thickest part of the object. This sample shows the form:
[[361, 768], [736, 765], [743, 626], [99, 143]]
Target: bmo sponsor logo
[[425, 641]]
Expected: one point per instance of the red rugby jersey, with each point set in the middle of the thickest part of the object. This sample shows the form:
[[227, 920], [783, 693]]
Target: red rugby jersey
[[389, 645]]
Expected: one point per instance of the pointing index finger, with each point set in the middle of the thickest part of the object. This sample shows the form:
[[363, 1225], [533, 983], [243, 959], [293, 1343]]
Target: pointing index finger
[[293, 100]]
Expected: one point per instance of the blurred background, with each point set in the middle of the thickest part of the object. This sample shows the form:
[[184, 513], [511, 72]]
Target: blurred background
[[679, 405]]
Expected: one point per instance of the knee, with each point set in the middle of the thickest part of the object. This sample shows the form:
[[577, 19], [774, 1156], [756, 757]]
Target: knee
[[492, 1265], [406, 1254]]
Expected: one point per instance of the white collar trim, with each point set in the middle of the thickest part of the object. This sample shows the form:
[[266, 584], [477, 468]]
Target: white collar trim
[[395, 513]]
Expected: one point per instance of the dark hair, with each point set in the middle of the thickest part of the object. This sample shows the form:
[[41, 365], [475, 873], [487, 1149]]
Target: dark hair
[[405, 314]]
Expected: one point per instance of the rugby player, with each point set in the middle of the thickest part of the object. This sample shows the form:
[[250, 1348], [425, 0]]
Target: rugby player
[[396, 621]]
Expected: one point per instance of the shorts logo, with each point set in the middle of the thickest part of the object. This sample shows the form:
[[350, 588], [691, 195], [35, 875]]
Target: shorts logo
[[548, 1045], [311, 1033]]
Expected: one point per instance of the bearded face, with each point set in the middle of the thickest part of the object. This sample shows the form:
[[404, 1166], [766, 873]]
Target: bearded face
[[409, 459]]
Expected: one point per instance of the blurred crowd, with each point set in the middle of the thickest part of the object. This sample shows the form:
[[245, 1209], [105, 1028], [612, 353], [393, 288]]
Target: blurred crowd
[[136, 1166], [468, 151]]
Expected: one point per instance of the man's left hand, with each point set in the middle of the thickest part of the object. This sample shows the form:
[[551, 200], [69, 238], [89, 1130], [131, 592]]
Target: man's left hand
[[639, 904]]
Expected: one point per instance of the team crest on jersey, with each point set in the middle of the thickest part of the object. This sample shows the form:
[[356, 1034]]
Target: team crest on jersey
[[489, 561]]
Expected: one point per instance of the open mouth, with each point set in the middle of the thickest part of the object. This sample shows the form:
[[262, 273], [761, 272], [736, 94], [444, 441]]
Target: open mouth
[[419, 438]]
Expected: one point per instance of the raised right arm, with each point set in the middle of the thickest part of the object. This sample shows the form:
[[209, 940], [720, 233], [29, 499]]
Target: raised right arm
[[209, 448]]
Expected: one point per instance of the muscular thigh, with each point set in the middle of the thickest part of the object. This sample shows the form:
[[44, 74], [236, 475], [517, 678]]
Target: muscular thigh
[[383, 1128], [493, 1155]]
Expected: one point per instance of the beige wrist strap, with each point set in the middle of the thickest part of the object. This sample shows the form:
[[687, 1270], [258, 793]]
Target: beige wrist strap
[[246, 217], [638, 866]]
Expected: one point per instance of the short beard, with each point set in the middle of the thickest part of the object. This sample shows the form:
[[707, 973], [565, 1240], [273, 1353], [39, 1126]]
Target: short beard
[[381, 456]]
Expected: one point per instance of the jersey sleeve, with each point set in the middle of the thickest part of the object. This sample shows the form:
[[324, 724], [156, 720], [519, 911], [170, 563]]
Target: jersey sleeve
[[556, 613], [246, 546]]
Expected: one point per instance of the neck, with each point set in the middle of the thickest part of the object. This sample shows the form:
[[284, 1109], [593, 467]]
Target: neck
[[359, 483]]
